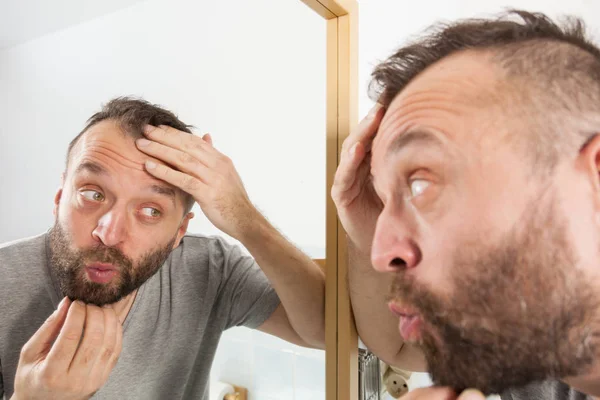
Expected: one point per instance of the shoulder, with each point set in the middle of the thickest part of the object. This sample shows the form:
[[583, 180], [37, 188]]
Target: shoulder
[[212, 250], [198, 242], [25, 285], [31, 244], [205, 258], [23, 257]]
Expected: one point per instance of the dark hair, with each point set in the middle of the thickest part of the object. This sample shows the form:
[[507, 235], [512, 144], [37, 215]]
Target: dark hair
[[551, 66], [132, 114]]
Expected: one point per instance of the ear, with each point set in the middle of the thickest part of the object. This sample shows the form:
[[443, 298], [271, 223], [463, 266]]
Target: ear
[[58, 194], [183, 228], [589, 161]]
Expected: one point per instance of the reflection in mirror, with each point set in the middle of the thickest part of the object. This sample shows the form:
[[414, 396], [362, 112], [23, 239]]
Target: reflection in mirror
[[249, 73]]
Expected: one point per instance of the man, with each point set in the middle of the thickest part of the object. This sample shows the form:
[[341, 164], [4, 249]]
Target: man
[[473, 189], [136, 288]]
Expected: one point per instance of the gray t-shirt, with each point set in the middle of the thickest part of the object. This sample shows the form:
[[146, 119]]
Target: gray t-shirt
[[548, 390], [173, 328]]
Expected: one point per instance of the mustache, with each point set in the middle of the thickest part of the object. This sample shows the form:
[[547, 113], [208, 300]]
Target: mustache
[[407, 292], [104, 254], [403, 289]]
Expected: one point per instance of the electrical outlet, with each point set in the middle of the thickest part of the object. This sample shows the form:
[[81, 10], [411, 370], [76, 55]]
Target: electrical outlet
[[395, 384]]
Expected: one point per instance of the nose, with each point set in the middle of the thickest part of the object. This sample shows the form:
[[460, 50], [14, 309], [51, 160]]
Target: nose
[[111, 228], [393, 248]]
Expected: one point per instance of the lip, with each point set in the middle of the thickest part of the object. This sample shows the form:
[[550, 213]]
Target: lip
[[401, 311], [410, 323], [410, 328], [101, 266], [101, 273]]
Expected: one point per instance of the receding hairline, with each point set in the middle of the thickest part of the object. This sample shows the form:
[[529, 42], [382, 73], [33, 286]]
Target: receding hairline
[[509, 30], [131, 114], [508, 63], [548, 86], [76, 142]]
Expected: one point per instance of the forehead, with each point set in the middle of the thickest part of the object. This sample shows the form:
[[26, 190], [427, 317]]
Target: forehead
[[449, 99], [107, 146], [108, 137]]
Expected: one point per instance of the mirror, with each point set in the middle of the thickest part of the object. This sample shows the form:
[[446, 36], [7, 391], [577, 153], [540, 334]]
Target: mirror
[[252, 73]]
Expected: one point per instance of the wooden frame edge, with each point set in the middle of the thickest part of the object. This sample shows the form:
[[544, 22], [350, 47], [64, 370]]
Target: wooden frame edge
[[342, 112], [347, 347], [341, 339]]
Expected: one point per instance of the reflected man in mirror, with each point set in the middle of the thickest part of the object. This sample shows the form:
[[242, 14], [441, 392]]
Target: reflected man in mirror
[[144, 303], [471, 200]]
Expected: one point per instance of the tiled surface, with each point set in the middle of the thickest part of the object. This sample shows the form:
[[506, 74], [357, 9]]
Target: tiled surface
[[274, 373], [310, 377], [235, 362], [270, 368]]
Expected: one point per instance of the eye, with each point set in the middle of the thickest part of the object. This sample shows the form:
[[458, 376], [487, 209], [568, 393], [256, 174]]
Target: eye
[[92, 195], [151, 212], [418, 186]]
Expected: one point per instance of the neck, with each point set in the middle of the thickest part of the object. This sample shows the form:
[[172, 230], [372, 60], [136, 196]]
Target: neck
[[123, 306]]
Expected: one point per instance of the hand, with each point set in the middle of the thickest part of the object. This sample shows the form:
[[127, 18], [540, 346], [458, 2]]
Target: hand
[[203, 172], [56, 363], [442, 393], [357, 204]]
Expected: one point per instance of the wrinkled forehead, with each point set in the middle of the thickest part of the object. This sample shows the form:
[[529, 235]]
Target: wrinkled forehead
[[449, 97], [105, 150], [108, 138]]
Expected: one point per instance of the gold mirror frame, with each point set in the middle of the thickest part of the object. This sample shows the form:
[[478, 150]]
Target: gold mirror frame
[[341, 340]]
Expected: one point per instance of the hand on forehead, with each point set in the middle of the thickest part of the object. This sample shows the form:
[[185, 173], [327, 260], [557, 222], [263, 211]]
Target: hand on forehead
[[107, 141]]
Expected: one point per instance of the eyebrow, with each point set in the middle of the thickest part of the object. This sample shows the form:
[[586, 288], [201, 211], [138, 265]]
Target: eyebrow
[[410, 139], [414, 138], [165, 191], [97, 169], [92, 167]]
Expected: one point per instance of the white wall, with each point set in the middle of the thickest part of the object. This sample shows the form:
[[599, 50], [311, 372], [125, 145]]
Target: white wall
[[254, 79], [23, 20], [386, 24]]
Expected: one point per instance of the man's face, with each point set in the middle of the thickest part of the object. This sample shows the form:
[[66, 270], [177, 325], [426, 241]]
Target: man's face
[[115, 224], [492, 266]]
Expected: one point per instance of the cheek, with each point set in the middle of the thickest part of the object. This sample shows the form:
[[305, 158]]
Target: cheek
[[461, 230], [577, 204], [144, 241], [437, 269], [582, 231], [77, 224]]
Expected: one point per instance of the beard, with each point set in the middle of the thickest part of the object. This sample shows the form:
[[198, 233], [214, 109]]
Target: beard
[[68, 265], [520, 311]]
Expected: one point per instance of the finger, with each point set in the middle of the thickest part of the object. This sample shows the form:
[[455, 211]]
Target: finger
[[471, 394], [208, 139], [161, 151], [361, 185], [91, 345], [105, 359], [65, 347], [185, 182], [184, 162], [112, 362], [366, 129], [179, 140], [345, 175], [430, 393], [41, 341]]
